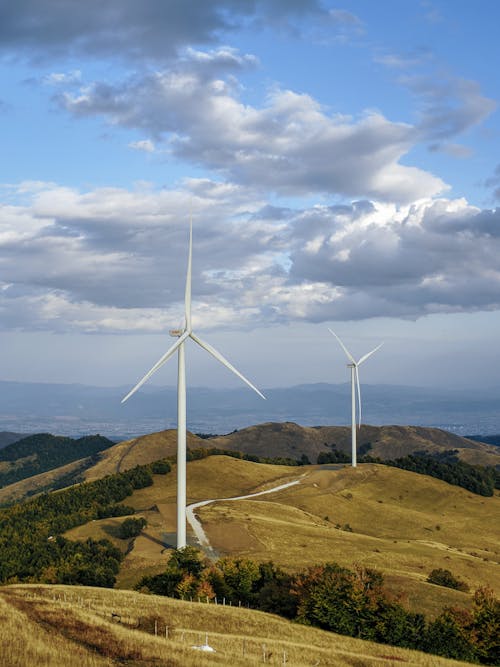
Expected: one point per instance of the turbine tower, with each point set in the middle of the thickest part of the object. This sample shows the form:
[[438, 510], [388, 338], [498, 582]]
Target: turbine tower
[[354, 365], [182, 335]]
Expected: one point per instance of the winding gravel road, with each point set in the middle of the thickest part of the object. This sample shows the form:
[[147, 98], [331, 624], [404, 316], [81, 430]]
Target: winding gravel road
[[196, 524]]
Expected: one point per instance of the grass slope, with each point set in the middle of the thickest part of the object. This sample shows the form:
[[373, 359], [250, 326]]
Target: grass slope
[[272, 439], [60, 625], [45, 481], [387, 442], [403, 524]]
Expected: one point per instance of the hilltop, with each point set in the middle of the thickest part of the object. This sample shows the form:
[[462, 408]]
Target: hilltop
[[276, 440], [385, 442]]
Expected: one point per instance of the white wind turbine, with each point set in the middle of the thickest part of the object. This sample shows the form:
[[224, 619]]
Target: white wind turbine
[[354, 365], [182, 335]]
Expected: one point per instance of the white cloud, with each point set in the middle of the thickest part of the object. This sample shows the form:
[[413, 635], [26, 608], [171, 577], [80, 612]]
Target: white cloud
[[290, 145], [114, 260]]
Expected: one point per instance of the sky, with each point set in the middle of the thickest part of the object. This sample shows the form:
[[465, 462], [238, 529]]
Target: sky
[[339, 161]]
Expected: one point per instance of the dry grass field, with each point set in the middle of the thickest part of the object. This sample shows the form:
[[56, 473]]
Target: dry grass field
[[54, 626], [387, 442], [139, 451], [402, 524], [398, 522]]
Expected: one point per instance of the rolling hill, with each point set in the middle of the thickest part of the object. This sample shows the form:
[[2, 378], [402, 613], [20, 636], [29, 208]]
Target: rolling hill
[[288, 440], [395, 521], [60, 625], [386, 442]]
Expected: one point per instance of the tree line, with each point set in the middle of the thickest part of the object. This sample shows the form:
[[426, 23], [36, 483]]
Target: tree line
[[445, 466], [41, 452], [31, 544], [332, 597]]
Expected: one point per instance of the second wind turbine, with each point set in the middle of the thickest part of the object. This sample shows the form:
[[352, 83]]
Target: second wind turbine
[[353, 365], [182, 335]]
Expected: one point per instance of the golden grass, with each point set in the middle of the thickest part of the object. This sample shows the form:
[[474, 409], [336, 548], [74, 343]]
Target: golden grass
[[31, 485], [138, 451], [50, 626], [403, 524], [289, 439]]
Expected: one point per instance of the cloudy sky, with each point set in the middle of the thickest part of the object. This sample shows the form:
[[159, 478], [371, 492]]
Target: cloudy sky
[[340, 162]]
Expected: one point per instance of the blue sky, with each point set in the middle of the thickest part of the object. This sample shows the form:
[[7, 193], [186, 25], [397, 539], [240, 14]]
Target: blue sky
[[340, 160]]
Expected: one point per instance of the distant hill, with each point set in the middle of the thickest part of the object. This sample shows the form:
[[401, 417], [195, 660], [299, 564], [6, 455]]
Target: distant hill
[[78, 410], [286, 440], [488, 439], [41, 452], [386, 442], [7, 438]]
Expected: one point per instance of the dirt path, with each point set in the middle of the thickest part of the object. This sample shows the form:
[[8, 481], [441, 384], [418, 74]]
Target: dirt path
[[196, 524]]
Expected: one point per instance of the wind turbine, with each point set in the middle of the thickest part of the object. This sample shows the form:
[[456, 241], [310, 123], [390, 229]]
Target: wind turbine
[[182, 335], [354, 365]]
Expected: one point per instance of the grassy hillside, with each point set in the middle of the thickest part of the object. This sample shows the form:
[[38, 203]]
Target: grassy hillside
[[398, 522], [386, 442], [139, 451], [286, 440], [58, 625], [402, 524], [45, 481]]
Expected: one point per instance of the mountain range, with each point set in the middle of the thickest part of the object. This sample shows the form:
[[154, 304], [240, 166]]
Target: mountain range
[[79, 409]]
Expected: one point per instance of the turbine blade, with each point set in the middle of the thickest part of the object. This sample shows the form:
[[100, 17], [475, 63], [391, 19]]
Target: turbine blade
[[365, 357], [159, 363], [224, 362], [349, 355], [359, 394], [187, 296]]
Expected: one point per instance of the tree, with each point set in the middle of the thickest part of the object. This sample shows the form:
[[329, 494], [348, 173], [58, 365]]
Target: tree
[[443, 577], [131, 528]]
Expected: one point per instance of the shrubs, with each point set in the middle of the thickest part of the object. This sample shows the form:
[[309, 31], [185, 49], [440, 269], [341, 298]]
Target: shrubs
[[445, 578], [161, 467], [447, 466], [350, 602], [131, 528]]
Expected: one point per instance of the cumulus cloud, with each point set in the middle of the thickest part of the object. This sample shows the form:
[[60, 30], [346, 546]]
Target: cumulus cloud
[[289, 145], [112, 260]]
